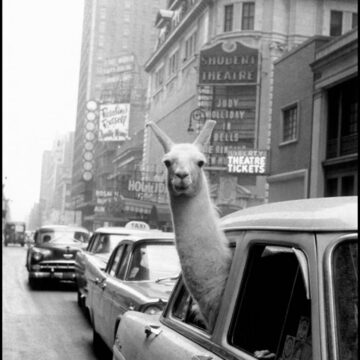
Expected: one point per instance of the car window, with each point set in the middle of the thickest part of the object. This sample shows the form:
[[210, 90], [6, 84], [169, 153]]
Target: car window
[[186, 309], [345, 269], [273, 310], [101, 245], [115, 259], [124, 262], [154, 262], [91, 243]]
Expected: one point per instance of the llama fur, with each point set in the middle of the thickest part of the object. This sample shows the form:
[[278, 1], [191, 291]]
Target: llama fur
[[203, 249]]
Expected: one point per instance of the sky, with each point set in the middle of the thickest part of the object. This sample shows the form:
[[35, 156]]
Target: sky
[[41, 62]]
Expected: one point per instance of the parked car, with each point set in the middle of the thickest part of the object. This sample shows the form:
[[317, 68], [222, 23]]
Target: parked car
[[139, 275], [291, 293], [99, 248], [14, 233], [52, 257]]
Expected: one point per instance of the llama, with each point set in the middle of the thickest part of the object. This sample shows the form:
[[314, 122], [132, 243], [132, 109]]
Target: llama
[[203, 249]]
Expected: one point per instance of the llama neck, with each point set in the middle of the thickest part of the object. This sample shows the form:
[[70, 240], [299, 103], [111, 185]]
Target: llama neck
[[202, 247]]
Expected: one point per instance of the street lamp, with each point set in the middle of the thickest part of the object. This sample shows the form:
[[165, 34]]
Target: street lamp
[[197, 119]]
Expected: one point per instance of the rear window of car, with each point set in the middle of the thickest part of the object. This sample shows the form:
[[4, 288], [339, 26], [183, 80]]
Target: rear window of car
[[48, 236]]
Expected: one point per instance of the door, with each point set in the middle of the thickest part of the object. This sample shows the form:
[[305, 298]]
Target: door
[[109, 288]]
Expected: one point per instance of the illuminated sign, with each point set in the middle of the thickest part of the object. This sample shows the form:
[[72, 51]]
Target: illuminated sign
[[253, 162], [114, 122], [228, 63], [137, 225], [149, 187]]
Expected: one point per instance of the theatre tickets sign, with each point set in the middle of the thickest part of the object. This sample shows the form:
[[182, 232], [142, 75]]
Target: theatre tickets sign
[[228, 63], [251, 162]]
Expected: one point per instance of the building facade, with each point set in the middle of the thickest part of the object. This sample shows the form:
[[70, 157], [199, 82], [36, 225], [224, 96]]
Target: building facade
[[118, 36], [56, 206], [314, 137], [215, 59]]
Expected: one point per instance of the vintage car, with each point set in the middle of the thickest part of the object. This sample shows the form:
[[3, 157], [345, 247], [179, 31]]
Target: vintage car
[[14, 233], [139, 275], [291, 293], [99, 248], [52, 257]]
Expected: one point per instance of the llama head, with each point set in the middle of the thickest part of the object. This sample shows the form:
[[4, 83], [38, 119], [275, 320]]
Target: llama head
[[184, 162]]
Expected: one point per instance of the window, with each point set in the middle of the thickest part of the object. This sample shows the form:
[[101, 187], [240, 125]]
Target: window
[[248, 13], [354, 22], [228, 17], [345, 269], [186, 309], [340, 184], [335, 23], [154, 262], [173, 63], [273, 310], [190, 46], [122, 269], [114, 262], [289, 130], [342, 123], [159, 77]]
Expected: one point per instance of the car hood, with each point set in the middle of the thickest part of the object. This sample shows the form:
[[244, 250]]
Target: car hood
[[152, 289]]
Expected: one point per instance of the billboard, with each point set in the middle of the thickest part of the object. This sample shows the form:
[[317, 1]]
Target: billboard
[[252, 162], [228, 63], [114, 122]]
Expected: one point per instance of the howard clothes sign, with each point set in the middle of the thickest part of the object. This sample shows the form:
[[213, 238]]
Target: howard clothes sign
[[114, 122], [228, 64]]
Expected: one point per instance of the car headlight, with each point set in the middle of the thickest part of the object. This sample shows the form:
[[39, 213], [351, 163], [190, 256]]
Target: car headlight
[[152, 310], [38, 254]]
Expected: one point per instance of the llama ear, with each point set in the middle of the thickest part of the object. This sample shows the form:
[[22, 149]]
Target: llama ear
[[164, 140], [205, 133]]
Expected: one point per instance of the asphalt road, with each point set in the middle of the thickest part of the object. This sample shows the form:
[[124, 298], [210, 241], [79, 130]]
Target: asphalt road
[[40, 324]]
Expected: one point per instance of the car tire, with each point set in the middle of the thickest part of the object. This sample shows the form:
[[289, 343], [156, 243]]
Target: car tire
[[98, 344], [22, 244], [34, 283], [5, 243], [79, 301]]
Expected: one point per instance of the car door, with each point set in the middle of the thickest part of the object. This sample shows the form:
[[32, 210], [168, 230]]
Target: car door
[[110, 287], [180, 334]]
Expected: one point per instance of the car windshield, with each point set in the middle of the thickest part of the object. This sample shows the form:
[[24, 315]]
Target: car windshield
[[153, 262], [59, 236], [345, 267]]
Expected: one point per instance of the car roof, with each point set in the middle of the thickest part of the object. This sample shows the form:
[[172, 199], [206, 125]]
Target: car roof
[[316, 214], [124, 231], [150, 237], [63, 228]]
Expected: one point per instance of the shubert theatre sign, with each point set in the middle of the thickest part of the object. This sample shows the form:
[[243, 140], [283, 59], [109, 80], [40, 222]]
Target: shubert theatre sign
[[228, 64]]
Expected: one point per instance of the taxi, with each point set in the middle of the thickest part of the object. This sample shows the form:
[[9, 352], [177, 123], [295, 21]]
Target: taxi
[[292, 292], [99, 248], [139, 275]]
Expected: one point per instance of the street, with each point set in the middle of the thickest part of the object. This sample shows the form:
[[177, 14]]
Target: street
[[40, 324]]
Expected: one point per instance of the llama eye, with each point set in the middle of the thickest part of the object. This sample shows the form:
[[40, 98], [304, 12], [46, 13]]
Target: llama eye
[[201, 163], [167, 163]]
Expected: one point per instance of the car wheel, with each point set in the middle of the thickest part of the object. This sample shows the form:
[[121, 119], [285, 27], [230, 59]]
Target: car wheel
[[22, 244], [97, 342], [5, 243], [34, 283], [79, 301]]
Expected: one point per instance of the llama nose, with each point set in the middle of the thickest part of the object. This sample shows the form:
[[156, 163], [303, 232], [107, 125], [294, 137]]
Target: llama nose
[[182, 174]]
